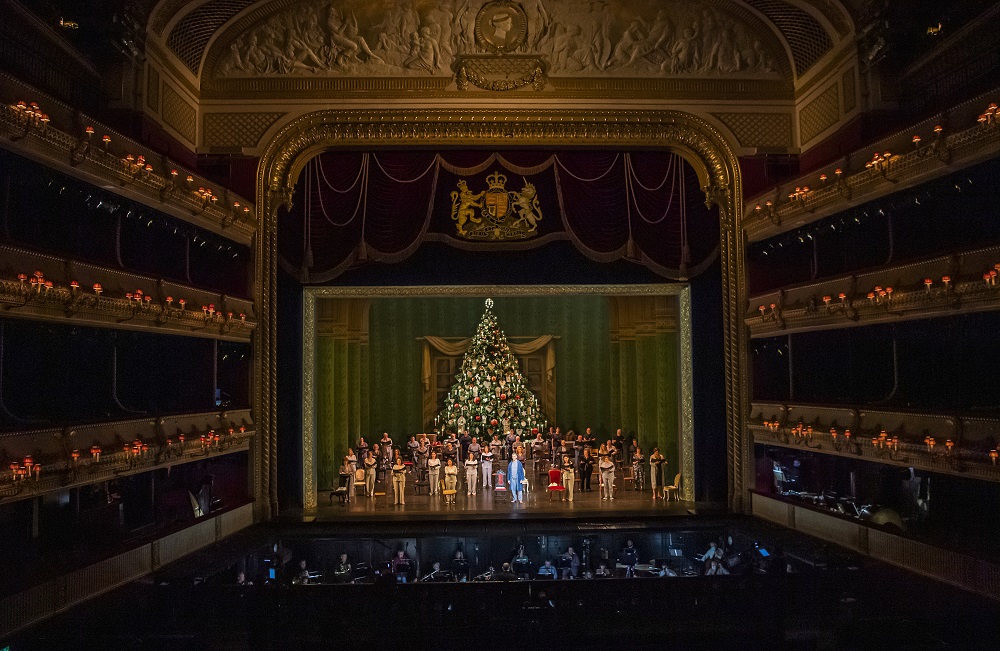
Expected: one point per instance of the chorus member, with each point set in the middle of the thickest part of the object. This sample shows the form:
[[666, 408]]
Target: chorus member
[[486, 461], [497, 447], [386, 444], [475, 448], [353, 459], [411, 447], [568, 477], [362, 448], [586, 467], [370, 464], [449, 452], [345, 469], [450, 477], [509, 443], [577, 449], [603, 450], [571, 564], [515, 477], [638, 468], [420, 454], [537, 447], [471, 474], [398, 480], [434, 472], [464, 441], [656, 461], [607, 468]]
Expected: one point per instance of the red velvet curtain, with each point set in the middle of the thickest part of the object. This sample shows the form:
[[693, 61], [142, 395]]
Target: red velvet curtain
[[352, 207]]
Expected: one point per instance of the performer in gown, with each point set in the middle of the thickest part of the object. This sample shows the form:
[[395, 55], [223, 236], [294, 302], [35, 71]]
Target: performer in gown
[[656, 461], [515, 475]]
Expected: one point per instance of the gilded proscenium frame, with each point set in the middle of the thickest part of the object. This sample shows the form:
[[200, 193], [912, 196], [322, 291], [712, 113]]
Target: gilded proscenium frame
[[310, 295], [690, 136]]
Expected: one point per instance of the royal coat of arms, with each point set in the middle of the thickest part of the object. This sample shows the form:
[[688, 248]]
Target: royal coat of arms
[[496, 213]]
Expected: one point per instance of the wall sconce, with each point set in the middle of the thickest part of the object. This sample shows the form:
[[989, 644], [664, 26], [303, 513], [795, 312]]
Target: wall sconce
[[30, 118]]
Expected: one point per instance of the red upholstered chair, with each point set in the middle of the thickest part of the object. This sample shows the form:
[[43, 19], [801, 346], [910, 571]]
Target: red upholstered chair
[[555, 482]]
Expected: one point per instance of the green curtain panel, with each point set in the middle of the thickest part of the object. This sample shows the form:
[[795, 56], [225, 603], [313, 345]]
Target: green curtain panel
[[364, 389]]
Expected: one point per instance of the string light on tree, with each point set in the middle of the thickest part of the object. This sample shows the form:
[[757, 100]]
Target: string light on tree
[[489, 389]]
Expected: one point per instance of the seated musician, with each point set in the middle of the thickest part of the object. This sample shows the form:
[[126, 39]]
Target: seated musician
[[715, 568], [302, 577], [460, 566], [666, 571], [603, 571], [505, 574], [342, 573], [546, 571], [400, 566], [712, 552]]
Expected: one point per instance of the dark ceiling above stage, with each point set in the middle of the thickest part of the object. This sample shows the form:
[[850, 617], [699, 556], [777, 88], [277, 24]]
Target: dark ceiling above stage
[[354, 208]]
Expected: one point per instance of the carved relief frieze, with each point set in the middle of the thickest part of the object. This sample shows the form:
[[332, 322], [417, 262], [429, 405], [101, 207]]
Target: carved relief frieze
[[575, 38]]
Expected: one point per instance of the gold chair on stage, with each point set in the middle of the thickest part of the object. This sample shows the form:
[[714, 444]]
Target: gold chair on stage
[[674, 488]]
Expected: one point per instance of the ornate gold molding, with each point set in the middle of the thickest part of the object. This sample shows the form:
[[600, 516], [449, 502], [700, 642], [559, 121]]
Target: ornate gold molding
[[687, 396], [306, 136], [696, 140]]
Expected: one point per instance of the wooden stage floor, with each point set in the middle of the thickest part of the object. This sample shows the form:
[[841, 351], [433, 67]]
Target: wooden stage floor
[[486, 505]]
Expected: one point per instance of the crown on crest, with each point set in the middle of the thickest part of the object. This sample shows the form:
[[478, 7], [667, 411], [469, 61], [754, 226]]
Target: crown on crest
[[497, 181]]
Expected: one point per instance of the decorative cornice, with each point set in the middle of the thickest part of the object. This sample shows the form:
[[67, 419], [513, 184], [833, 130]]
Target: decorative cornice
[[307, 135]]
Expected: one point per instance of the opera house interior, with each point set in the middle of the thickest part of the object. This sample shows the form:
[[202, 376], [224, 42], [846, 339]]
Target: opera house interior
[[661, 323]]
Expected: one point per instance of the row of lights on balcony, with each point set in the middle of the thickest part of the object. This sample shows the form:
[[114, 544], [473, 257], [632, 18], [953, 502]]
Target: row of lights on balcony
[[880, 160], [40, 285], [29, 115], [880, 442], [880, 294]]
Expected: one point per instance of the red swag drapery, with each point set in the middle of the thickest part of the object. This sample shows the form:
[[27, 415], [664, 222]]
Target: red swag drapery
[[352, 207]]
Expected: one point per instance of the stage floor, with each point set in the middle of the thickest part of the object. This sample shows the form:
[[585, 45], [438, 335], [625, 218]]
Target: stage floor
[[486, 505]]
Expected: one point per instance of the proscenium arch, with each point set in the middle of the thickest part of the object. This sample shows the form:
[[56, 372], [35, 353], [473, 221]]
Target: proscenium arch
[[693, 138]]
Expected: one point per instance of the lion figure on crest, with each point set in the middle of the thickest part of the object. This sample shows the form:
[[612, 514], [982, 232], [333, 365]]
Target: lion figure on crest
[[526, 203], [462, 203]]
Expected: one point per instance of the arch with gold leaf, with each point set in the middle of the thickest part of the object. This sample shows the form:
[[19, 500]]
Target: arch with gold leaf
[[303, 138]]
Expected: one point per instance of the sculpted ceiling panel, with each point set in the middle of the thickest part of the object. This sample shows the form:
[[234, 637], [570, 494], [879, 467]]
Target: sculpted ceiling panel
[[570, 38]]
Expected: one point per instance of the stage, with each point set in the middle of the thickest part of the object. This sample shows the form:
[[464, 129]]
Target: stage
[[486, 505]]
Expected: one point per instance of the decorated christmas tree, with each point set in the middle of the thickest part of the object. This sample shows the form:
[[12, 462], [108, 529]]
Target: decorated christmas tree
[[489, 391]]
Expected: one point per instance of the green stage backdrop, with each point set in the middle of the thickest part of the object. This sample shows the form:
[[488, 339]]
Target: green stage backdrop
[[365, 389]]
